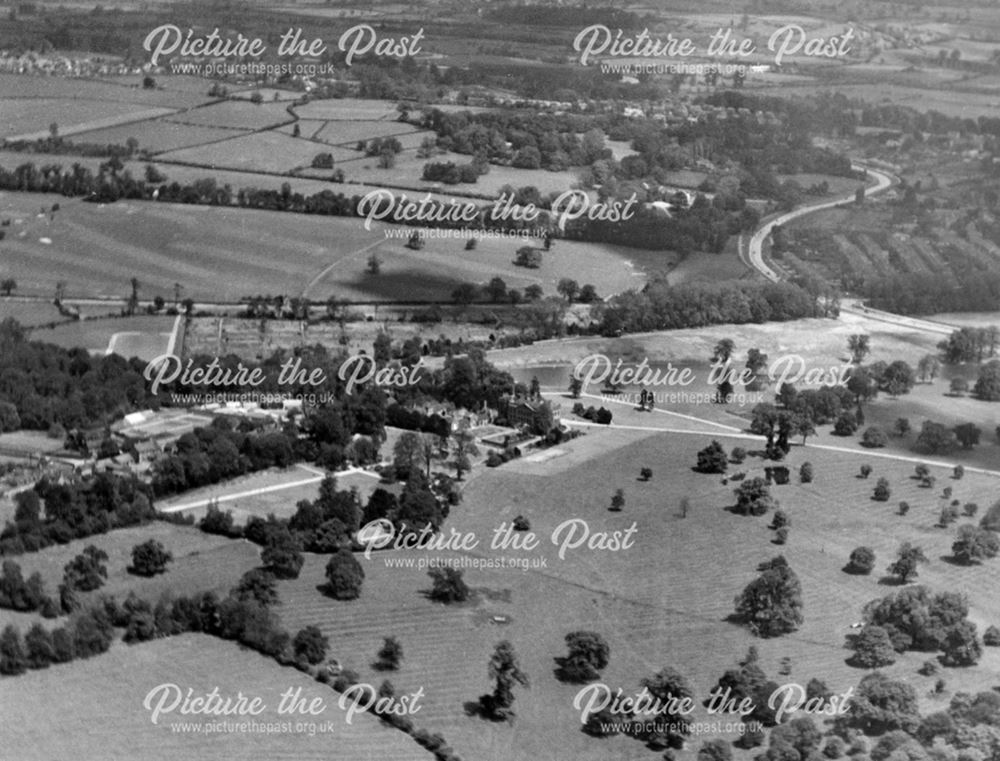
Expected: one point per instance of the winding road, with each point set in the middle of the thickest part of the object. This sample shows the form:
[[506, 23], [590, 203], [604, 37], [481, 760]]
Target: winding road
[[755, 256], [755, 248]]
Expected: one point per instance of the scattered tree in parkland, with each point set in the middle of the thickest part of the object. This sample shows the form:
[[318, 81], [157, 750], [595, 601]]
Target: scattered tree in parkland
[[149, 558], [771, 605], [506, 673], [618, 501], [905, 565], [310, 645], [991, 637], [872, 648], [874, 438], [974, 544], [713, 459], [806, 473], [588, 655], [861, 562], [866, 470], [448, 585], [882, 490], [344, 575], [389, 655], [87, 571], [753, 497]]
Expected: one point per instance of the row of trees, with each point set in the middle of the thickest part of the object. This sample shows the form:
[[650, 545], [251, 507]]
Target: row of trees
[[661, 306]]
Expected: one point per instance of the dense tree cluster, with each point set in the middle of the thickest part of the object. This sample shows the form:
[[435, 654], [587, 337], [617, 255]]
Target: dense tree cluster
[[970, 345], [217, 452], [662, 307], [915, 619], [56, 513], [25, 595], [50, 385], [919, 293]]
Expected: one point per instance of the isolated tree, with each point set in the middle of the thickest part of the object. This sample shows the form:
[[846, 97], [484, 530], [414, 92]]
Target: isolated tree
[[872, 648], [723, 351], [7, 285], [806, 473], [753, 497], [874, 437], [935, 438], [860, 346], [928, 368], [771, 605], [907, 559], [991, 637], [389, 655], [568, 289], [448, 585], [897, 379], [968, 434], [974, 544], [961, 646], [133, 300], [901, 427], [959, 386], [344, 575], [374, 264], [575, 386], [987, 385], [646, 474], [862, 561], [670, 689], [506, 673], [846, 424], [713, 459], [588, 655], [618, 500], [150, 558], [882, 491], [310, 645]]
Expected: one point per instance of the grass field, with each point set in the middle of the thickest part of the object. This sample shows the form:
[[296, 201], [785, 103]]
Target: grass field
[[348, 109], [408, 170], [144, 336], [664, 602], [29, 118], [260, 152], [237, 114], [95, 249], [159, 135], [172, 92], [115, 726], [29, 313]]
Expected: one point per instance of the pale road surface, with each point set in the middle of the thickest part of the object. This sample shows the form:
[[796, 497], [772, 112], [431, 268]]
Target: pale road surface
[[755, 251]]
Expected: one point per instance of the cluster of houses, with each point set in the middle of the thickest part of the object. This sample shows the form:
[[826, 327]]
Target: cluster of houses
[[54, 64]]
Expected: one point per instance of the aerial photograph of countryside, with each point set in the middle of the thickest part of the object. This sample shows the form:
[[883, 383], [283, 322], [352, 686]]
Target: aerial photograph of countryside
[[500, 380]]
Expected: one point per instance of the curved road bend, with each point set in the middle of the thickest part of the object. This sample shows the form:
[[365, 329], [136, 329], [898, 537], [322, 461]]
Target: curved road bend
[[755, 251]]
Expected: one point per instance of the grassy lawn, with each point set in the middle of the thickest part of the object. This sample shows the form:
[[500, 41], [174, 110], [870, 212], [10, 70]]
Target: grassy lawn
[[101, 713]]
